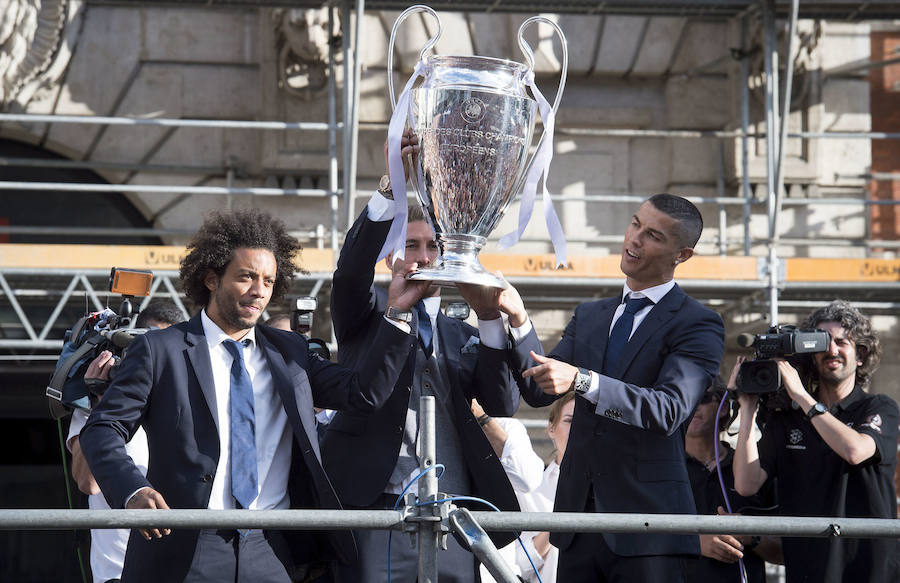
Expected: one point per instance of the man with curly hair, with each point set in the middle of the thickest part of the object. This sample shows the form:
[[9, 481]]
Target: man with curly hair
[[227, 406], [833, 452]]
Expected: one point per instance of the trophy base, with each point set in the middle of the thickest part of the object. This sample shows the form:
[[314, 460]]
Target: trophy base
[[458, 264], [449, 276]]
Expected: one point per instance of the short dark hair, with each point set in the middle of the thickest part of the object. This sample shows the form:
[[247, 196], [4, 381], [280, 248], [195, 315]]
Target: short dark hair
[[415, 213], [859, 329], [213, 247], [162, 312], [690, 221], [280, 321]]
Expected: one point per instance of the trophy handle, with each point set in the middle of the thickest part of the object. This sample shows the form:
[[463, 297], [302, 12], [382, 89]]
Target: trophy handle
[[529, 54], [390, 57]]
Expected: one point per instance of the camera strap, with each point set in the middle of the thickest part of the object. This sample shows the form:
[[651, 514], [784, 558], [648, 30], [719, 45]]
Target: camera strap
[[55, 388]]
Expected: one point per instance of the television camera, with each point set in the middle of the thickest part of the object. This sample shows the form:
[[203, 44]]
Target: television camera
[[761, 375], [92, 334]]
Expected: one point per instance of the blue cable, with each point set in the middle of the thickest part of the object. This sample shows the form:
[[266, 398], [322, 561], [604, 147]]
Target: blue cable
[[485, 502], [741, 568], [441, 501], [397, 504]]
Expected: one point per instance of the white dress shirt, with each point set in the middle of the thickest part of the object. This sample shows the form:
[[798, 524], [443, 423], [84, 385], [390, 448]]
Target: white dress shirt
[[273, 434], [108, 544], [655, 293]]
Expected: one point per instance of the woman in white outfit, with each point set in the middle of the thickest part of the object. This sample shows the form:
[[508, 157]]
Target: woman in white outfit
[[541, 499]]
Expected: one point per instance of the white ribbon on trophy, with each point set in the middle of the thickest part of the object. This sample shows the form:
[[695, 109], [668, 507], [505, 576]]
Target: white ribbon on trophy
[[540, 167], [396, 238]]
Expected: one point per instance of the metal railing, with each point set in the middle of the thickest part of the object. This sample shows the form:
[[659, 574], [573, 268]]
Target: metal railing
[[429, 519]]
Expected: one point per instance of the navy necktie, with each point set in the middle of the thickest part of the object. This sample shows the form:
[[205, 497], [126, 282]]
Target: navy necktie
[[621, 332], [244, 483], [425, 331]]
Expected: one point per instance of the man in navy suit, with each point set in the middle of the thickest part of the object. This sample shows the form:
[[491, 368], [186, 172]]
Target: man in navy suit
[[639, 363], [370, 458], [227, 406]]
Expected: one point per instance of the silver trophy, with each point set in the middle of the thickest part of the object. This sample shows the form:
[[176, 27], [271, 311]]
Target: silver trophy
[[474, 121]]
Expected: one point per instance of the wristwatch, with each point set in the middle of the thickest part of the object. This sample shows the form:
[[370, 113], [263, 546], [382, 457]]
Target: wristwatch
[[816, 409], [384, 187], [582, 381], [400, 315]]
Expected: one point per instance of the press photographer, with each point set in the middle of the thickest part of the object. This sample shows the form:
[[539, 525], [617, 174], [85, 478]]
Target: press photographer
[[833, 451], [108, 546]]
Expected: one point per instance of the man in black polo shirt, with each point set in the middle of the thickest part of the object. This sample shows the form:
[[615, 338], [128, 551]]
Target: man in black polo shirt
[[833, 452]]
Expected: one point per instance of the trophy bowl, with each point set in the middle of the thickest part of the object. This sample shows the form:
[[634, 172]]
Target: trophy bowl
[[474, 120]]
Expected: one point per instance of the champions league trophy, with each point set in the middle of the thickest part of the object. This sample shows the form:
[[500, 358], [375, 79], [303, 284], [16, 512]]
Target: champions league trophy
[[474, 121]]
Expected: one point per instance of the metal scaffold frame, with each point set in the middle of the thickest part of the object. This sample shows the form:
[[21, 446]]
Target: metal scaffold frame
[[777, 108]]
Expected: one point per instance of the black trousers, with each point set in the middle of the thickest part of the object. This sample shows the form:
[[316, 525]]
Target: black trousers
[[224, 556], [589, 560]]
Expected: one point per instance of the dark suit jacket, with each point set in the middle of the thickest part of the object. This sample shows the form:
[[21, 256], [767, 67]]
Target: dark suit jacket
[[630, 446], [360, 451], [165, 383]]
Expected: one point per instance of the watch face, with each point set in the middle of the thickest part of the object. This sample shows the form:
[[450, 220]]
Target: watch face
[[384, 183]]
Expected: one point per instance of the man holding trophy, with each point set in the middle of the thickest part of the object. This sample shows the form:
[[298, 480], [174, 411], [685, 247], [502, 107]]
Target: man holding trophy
[[371, 458]]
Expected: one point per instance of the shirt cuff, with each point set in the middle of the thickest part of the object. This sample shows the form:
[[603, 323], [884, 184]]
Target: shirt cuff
[[133, 494], [521, 332], [380, 208], [593, 393], [402, 325], [492, 333], [324, 416]]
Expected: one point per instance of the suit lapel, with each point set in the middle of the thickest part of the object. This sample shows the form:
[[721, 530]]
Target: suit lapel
[[198, 354], [598, 334], [295, 393], [450, 345], [658, 316]]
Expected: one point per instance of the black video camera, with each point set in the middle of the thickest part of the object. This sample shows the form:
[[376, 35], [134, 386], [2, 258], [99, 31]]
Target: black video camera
[[761, 375], [68, 389]]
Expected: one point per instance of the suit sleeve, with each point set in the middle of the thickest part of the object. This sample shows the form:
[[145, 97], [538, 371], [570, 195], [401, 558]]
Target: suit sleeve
[[369, 385], [352, 297], [692, 358], [521, 360], [113, 422]]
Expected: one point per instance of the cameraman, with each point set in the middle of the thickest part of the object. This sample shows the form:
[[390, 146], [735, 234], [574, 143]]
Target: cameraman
[[833, 452], [108, 545]]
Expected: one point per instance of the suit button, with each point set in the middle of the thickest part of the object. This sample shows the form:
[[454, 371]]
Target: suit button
[[408, 389], [400, 429], [427, 371], [206, 478], [427, 385]]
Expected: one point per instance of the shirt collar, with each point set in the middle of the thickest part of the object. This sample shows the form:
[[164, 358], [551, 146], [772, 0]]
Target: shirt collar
[[655, 293], [215, 335], [432, 306], [855, 395]]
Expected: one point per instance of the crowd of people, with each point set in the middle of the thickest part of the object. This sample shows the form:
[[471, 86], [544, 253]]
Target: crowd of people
[[224, 412]]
